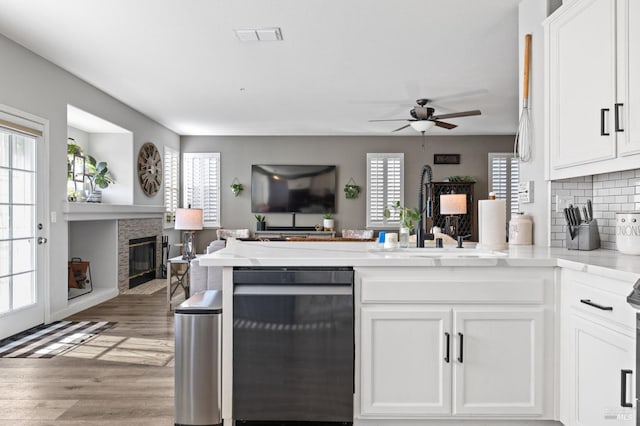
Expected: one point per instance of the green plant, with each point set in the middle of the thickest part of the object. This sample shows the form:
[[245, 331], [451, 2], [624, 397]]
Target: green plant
[[462, 179], [260, 218], [97, 173], [72, 150], [351, 191], [328, 216], [237, 188], [407, 215]]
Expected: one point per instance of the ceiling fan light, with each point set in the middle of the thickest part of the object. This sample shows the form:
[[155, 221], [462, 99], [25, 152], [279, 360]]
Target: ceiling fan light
[[422, 125]]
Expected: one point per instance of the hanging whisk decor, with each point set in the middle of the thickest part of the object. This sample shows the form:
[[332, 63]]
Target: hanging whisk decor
[[522, 144]]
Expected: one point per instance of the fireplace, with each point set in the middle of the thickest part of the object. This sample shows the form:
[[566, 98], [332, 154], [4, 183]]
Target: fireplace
[[142, 260]]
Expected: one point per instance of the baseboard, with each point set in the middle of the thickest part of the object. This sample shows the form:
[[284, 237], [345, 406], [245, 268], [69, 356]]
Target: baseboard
[[83, 302]]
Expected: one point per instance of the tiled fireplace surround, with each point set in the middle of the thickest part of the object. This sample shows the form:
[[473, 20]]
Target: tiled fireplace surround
[[136, 228], [609, 192]]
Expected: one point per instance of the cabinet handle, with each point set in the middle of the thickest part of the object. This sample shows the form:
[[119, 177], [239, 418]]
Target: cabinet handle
[[603, 111], [617, 117], [461, 347], [595, 305], [448, 346], [623, 388]]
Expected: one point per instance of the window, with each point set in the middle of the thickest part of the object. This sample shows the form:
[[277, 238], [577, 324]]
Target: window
[[385, 186], [171, 184], [201, 184], [504, 177]]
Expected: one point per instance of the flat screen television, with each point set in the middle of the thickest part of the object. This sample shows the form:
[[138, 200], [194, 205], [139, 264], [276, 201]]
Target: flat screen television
[[279, 188]]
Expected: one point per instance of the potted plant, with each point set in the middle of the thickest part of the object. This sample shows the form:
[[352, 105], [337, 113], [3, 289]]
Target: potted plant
[[407, 217], [261, 224], [236, 188], [328, 222], [99, 176]]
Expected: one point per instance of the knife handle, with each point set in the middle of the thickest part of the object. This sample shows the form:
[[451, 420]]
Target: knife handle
[[585, 213]]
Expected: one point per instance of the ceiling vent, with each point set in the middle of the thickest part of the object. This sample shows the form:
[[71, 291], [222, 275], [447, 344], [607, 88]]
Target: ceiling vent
[[259, 34]]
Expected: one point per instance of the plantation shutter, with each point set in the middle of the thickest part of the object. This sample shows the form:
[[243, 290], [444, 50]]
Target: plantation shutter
[[201, 185], [504, 178], [171, 185], [385, 186]]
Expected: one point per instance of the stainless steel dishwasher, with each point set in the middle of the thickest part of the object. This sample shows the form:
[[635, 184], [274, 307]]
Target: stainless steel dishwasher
[[293, 347]]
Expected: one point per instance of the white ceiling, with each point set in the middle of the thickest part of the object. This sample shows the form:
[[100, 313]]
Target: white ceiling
[[342, 62]]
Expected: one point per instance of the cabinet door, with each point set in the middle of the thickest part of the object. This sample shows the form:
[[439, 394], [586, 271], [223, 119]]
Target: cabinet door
[[582, 72], [599, 358], [404, 371], [498, 361], [629, 76]]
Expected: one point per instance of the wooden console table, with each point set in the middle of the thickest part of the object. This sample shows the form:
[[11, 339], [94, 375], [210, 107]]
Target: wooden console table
[[297, 234]]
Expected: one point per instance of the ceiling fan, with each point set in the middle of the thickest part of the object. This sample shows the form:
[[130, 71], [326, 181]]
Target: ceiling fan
[[423, 118]]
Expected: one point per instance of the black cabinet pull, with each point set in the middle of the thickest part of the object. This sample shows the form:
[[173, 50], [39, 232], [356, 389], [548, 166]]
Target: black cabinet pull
[[623, 388], [448, 346], [617, 117], [461, 347], [603, 111], [595, 305]]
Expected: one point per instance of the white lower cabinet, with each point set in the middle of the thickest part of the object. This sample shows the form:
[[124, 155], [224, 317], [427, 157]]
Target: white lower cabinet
[[598, 352], [421, 360]]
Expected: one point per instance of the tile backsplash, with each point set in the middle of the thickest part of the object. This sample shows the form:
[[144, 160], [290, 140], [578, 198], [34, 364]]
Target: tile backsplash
[[609, 192]]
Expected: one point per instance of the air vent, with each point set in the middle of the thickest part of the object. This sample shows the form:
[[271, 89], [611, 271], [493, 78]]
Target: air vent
[[259, 34]]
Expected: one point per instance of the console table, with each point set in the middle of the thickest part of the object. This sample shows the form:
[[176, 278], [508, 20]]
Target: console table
[[299, 234]]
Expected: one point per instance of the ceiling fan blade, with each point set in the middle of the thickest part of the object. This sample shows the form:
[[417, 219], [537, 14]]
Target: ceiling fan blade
[[444, 125], [403, 127], [394, 119], [458, 114]]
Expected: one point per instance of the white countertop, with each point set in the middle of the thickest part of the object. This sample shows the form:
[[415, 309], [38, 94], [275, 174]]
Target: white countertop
[[609, 263]]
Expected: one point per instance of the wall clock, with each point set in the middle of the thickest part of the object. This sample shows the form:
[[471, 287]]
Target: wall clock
[[149, 169]]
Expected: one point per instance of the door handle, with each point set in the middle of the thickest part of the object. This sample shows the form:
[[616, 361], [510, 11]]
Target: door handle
[[42, 240], [448, 346], [595, 305], [623, 388], [617, 117], [603, 112], [461, 347]]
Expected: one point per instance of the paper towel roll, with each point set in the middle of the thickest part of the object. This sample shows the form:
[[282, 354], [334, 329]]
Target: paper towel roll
[[492, 224]]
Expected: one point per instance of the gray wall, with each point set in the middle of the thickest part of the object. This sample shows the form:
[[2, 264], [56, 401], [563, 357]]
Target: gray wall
[[237, 154], [36, 86]]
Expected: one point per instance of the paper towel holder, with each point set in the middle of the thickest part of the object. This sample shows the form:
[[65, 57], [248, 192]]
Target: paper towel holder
[[452, 205]]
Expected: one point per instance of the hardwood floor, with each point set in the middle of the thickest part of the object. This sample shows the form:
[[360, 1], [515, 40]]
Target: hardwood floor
[[122, 377]]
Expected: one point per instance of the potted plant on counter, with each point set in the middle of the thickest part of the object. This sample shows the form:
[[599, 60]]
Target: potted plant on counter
[[261, 222], [99, 177], [407, 217]]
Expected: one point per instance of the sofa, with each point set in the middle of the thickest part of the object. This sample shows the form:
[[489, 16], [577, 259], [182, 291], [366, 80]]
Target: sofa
[[206, 277]]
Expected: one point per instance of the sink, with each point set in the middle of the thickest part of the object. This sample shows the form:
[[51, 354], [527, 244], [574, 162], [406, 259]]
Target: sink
[[447, 252]]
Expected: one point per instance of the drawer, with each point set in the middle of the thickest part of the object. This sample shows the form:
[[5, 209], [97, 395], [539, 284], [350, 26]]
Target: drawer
[[598, 304], [513, 291]]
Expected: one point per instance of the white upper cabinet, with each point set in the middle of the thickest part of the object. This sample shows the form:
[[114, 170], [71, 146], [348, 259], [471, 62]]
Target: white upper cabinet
[[591, 57], [629, 76]]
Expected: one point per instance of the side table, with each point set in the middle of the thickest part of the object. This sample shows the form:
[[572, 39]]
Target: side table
[[178, 270]]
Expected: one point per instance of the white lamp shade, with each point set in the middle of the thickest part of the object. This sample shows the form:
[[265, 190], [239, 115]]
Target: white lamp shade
[[453, 204], [422, 125], [189, 219]]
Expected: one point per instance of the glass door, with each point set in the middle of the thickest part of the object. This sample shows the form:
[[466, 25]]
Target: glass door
[[21, 289]]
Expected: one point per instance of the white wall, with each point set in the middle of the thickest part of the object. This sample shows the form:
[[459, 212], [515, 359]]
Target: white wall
[[531, 15], [117, 150], [32, 84]]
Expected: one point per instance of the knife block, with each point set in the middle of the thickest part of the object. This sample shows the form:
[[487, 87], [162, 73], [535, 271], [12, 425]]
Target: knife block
[[585, 236]]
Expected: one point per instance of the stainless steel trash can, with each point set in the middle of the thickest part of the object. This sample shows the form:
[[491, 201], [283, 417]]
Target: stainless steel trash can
[[198, 369]]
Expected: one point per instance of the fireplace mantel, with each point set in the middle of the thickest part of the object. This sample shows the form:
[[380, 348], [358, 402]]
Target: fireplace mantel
[[99, 211]]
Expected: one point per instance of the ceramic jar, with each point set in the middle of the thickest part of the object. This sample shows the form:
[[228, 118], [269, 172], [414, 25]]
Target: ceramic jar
[[628, 232], [520, 230]]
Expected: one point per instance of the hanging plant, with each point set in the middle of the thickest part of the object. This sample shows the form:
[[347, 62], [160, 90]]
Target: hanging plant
[[236, 187], [351, 190]]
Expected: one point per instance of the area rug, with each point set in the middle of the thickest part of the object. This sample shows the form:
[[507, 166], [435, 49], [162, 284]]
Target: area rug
[[47, 341], [150, 287]]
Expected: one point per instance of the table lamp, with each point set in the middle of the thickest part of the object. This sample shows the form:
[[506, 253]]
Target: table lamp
[[453, 205], [189, 220]]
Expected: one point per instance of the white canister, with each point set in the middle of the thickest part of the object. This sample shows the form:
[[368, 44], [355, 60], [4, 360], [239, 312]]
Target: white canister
[[521, 229], [628, 232]]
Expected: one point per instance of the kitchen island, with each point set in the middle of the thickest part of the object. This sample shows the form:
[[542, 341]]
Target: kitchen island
[[414, 307]]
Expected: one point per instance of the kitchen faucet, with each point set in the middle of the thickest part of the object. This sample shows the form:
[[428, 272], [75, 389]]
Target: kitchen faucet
[[424, 209]]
